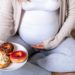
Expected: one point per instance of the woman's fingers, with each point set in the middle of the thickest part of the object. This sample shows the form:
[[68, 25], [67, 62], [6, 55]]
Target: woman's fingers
[[39, 46]]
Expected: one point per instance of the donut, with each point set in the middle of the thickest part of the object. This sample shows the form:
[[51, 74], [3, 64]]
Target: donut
[[4, 60], [7, 47], [18, 56]]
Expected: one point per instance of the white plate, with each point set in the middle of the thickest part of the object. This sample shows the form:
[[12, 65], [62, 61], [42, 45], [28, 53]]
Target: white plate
[[15, 66]]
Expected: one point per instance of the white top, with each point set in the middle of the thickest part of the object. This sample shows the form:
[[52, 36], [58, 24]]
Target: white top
[[40, 21]]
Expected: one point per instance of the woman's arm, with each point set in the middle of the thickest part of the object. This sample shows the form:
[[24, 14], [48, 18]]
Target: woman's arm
[[6, 19], [66, 29]]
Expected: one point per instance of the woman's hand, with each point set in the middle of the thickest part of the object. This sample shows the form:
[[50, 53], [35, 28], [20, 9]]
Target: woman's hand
[[50, 44], [39, 46]]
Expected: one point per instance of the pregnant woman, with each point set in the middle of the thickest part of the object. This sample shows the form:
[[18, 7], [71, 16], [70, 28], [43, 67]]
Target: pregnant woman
[[40, 20], [45, 25]]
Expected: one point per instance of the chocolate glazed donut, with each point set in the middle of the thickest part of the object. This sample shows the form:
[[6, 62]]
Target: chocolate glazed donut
[[7, 47]]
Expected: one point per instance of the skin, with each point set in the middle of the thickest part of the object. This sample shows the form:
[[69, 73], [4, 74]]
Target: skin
[[41, 47]]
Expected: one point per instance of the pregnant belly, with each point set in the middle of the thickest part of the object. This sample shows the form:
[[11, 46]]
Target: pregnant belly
[[38, 26]]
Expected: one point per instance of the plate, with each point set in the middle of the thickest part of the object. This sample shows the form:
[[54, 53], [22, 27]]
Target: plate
[[15, 66]]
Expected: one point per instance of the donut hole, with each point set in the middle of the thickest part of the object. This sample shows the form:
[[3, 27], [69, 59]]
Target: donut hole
[[18, 54]]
